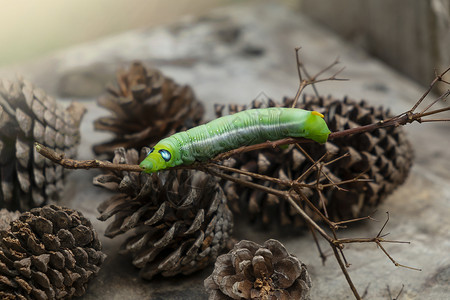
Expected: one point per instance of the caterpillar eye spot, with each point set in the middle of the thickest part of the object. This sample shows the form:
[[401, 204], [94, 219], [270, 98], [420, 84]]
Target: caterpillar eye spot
[[150, 151], [165, 154]]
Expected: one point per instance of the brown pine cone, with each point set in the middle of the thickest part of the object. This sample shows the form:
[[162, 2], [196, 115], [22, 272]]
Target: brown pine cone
[[48, 253], [251, 271], [385, 155], [180, 218], [145, 107], [28, 115]]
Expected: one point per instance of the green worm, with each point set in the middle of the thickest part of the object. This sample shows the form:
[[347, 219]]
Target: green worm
[[230, 132]]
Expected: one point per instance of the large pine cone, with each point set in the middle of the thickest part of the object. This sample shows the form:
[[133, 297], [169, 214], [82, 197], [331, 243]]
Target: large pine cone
[[385, 155], [48, 253], [251, 271], [180, 218], [28, 115], [146, 107]]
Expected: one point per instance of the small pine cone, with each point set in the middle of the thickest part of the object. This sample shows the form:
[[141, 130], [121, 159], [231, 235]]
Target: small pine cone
[[6, 217], [252, 271], [28, 115], [385, 155], [180, 218], [48, 253], [146, 107]]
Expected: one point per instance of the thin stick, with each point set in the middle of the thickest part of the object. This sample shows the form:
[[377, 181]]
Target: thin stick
[[82, 164], [337, 158], [316, 92], [384, 225], [399, 293], [344, 271], [394, 262], [307, 218], [433, 112], [314, 208], [297, 58], [275, 192], [355, 220], [432, 84], [316, 241], [368, 240], [434, 120], [443, 96], [314, 79], [288, 183]]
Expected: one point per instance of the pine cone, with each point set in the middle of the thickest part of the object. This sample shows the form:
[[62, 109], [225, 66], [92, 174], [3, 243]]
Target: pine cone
[[27, 115], [6, 217], [180, 218], [146, 107], [385, 155], [251, 271], [48, 253]]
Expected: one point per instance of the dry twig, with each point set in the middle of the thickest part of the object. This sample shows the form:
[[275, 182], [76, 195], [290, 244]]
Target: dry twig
[[398, 295]]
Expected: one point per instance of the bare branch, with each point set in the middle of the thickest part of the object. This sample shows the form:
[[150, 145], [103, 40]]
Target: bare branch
[[316, 241], [299, 64], [355, 220], [312, 80], [433, 112], [398, 295], [434, 120], [432, 84], [393, 260], [82, 164], [378, 240], [441, 97], [335, 62], [344, 271], [384, 225]]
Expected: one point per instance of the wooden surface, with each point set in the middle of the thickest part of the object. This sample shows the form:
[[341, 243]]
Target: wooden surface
[[412, 36]]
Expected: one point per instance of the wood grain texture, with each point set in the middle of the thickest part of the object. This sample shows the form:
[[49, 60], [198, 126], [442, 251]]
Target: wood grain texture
[[413, 36]]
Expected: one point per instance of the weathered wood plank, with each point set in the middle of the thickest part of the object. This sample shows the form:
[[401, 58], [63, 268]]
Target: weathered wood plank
[[412, 36]]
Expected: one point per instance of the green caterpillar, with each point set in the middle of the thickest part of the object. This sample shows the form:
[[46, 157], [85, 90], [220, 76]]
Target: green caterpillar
[[229, 132]]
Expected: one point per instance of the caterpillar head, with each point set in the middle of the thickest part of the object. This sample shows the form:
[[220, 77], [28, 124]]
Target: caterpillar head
[[316, 128], [160, 157]]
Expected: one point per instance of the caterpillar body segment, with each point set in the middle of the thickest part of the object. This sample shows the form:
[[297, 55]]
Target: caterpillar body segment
[[233, 131]]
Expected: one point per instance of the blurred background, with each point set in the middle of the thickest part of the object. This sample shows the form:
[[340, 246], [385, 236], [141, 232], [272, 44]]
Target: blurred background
[[413, 36], [29, 29]]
